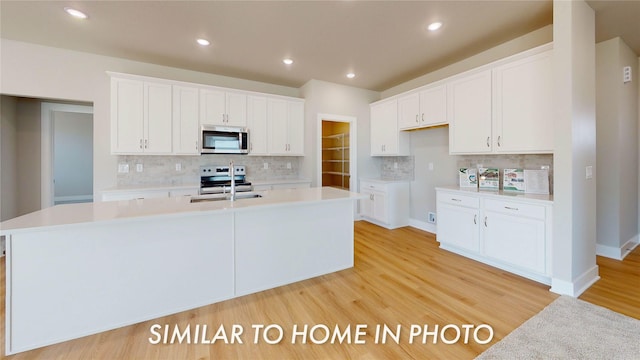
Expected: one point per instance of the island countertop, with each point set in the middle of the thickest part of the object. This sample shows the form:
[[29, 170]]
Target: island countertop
[[67, 214]]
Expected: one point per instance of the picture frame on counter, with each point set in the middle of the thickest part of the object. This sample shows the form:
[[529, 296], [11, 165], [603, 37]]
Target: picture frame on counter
[[513, 180], [489, 178], [536, 181], [468, 177]]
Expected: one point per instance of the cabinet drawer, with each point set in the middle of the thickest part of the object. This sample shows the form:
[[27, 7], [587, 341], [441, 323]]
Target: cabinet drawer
[[458, 199], [515, 208], [372, 186]]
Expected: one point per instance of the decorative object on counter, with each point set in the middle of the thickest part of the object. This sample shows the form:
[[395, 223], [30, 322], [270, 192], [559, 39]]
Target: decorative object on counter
[[468, 177], [537, 181], [513, 180], [489, 178]]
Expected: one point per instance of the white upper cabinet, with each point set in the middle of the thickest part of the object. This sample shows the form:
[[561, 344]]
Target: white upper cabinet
[[141, 114], [185, 120], [523, 105], [257, 124], [218, 107], [386, 139], [286, 127], [469, 113], [423, 109]]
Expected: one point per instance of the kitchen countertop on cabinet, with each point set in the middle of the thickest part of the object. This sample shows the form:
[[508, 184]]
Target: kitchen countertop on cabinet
[[543, 198], [87, 213]]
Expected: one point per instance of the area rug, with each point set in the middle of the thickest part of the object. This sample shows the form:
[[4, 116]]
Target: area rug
[[571, 329]]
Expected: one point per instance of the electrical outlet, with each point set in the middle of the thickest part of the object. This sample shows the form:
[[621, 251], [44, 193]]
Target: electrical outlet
[[432, 217], [266, 166], [123, 168], [430, 166], [178, 167], [626, 74], [544, 167], [589, 172], [139, 167], [395, 165], [288, 165]]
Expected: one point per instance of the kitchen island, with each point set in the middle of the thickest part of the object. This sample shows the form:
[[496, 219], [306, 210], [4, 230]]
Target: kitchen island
[[75, 270]]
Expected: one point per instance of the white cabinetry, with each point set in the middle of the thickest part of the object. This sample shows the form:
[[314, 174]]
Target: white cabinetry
[[286, 127], [523, 105], [185, 120], [387, 203], [386, 139], [218, 107], [422, 109], [506, 108], [458, 218], [140, 117], [257, 124], [510, 232], [469, 113]]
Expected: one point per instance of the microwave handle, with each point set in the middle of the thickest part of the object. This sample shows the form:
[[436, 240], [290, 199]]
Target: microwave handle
[[240, 140]]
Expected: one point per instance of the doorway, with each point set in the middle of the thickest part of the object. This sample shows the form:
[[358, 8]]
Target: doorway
[[337, 151], [67, 154]]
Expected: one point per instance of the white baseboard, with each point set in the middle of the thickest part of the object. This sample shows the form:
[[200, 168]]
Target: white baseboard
[[423, 225], [617, 253], [576, 287]]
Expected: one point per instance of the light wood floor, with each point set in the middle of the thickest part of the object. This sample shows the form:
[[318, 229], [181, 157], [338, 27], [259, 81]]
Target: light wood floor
[[400, 277]]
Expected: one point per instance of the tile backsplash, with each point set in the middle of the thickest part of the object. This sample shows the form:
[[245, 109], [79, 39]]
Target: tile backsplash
[[161, 170], [397, 168]]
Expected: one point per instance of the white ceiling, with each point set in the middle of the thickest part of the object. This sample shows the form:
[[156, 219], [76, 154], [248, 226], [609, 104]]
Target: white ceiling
[[384, 43]]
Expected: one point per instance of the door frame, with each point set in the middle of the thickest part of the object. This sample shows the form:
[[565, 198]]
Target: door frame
[[46, 150], [353, 147]]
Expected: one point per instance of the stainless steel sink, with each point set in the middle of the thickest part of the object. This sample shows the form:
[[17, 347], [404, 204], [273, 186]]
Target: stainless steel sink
[[221, 197]]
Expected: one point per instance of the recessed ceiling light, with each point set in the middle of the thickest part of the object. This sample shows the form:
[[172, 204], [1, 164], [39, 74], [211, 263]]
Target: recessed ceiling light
[[351, 75], [434, 26], [75, 13], [203, 42], [287, 61]]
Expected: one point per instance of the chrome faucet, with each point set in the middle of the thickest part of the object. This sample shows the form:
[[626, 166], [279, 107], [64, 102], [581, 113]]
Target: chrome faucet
[[232, 174]]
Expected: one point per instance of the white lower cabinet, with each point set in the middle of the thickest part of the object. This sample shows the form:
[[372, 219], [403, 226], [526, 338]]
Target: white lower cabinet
[[510, 232], [387, 204]]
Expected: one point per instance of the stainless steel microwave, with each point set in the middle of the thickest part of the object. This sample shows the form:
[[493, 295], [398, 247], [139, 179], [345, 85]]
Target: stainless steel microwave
[[224, 140]]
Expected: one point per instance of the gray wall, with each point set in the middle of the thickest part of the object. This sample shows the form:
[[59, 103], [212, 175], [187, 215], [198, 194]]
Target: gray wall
[[617, 155], [328, 98], [8, 157], [73, 154]]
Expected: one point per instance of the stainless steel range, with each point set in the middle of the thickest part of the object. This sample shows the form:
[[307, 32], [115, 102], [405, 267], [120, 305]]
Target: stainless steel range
[[217, 179]]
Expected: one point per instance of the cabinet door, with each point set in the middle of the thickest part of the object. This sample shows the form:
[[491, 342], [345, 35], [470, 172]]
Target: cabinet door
[[523, 105], [236, 106], [157, 118], [185, 120], [127, 116], [384, 122], [433, 106], [380, 211], [366, 205], [295, 127], [257, 124], [212, 107], [514, 240], [469, 113], [458, 226], [277, 123], [408, 111]]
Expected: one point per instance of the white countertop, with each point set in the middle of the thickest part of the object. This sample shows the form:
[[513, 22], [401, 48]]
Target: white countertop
[[163, 187], [383, 181], [544, 198], [68, 214]]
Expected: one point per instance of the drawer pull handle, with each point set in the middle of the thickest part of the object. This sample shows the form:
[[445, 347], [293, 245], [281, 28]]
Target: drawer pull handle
[[454, 199], [511, 208], [485, 221], [488, 143], [475, 219]]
